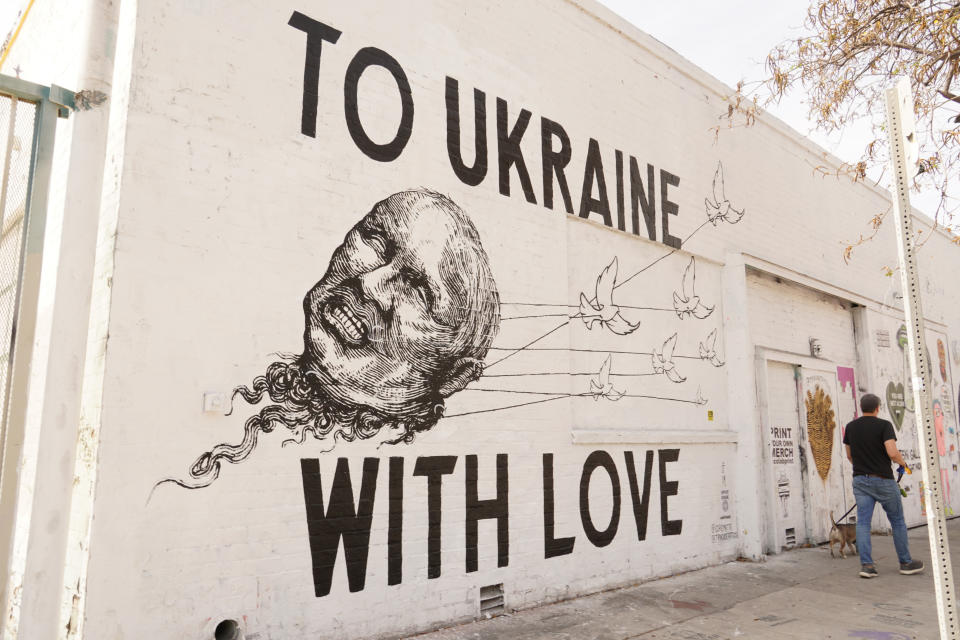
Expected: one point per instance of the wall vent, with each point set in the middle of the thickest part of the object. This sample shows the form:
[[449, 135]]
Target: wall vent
[[791, 537], [491, 600], [227, 630]]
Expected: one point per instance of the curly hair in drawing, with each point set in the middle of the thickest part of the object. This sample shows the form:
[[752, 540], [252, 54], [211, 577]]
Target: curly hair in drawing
[[401, 320]]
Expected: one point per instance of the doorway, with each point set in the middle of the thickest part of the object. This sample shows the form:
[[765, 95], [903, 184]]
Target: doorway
[[805, 410]]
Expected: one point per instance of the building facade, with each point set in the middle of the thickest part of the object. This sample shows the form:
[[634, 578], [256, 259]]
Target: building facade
[[368, 319]]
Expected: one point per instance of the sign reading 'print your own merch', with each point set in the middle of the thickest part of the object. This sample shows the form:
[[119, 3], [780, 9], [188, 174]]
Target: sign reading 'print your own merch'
[[349, 514], [555, 146]]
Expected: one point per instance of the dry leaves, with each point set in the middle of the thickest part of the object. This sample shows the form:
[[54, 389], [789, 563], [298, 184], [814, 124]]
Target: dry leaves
[[852, 51]]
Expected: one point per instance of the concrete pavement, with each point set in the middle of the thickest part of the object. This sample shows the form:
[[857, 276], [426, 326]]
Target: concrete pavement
[[799, 594]]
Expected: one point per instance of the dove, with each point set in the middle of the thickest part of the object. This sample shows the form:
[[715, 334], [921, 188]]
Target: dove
[[602, 309], [719, 208], [689, 303], [708, 350], [663, 360], [601, 387], [700, 399]]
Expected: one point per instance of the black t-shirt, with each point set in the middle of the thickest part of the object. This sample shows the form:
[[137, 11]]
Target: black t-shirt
[[866, 436]]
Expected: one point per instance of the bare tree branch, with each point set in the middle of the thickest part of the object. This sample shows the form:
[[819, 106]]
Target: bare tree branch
[[852, 51]]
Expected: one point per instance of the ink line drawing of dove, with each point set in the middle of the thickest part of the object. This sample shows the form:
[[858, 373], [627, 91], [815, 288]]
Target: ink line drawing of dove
[[601, 387], [708, 350], [602, 309], [663, 360], [719, 208], [700, 399], [689, 303]]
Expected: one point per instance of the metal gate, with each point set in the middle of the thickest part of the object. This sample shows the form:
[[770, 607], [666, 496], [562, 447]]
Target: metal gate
[[28, 118]]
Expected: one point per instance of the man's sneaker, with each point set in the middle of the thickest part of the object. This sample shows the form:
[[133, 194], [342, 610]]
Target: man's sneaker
[[870, 571], [909, 568]]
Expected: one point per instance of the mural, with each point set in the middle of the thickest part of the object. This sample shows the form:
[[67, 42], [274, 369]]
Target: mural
[[348, 515], [893, 369], [907, 378], [938, 427], [687, 302], [820, 428], [720, 209], [401, 320], [601, 386], [783, 492], [896, 404], [846, 378], [663, 360], [405, 317], [708, 349], [947, 399], [820, 480], [724, 529], [601, 309], [407, 329], [942, 357]]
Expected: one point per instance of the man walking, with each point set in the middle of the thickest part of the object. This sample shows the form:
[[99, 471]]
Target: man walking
[[871, 447]]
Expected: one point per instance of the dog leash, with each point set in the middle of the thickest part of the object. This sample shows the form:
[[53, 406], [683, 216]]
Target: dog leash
[[848, 512], [900, 470]]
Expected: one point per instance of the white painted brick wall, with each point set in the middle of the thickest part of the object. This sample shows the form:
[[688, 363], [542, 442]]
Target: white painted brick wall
[[784, 316], [228, 215]]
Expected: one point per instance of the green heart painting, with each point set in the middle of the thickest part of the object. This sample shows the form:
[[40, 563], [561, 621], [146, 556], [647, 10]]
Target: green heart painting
[[895, 403]]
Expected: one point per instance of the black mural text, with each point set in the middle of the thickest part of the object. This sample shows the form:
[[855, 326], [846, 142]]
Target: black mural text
[[348, 514], [631, 207]]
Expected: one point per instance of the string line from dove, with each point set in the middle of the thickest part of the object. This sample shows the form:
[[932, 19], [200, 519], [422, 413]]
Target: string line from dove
[[699, 400], [567, 394], [601, 386], [578, 314], [718, 209], [532, 342], [604, 351], [615, 285], [565, 373]]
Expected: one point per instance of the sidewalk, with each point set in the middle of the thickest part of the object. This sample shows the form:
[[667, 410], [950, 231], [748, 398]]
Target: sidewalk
[[799, 594]]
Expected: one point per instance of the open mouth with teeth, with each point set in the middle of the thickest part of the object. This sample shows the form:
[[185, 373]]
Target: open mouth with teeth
[[345, 322]]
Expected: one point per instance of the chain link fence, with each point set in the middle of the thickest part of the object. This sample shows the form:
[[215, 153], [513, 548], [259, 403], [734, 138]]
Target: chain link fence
[[17, 126]]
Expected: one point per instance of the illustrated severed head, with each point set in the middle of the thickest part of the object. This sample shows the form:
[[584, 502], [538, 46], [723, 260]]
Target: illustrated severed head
[[401, 320]]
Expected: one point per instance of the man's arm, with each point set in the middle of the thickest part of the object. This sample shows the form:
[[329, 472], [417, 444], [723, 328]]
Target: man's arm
[[893, 452], [849, 455]]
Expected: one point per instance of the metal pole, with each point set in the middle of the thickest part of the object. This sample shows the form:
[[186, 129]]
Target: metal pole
[[903, 157]]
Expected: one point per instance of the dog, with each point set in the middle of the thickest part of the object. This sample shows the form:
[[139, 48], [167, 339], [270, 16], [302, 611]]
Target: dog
[[844, 534]]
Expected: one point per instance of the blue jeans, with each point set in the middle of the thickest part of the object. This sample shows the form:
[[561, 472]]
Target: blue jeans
[[868, 491]]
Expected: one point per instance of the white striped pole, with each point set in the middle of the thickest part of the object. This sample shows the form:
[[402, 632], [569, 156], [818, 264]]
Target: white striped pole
[[901, 127]]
